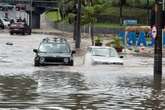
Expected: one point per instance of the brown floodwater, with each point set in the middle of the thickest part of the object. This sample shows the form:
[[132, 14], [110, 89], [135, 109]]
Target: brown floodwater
[[131, 86]]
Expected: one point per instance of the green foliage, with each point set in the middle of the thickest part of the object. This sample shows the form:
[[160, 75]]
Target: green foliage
[[116, 42], [90, 12], [92, 9], [71, 17], [98, 41], [53, 15], [88, 15]]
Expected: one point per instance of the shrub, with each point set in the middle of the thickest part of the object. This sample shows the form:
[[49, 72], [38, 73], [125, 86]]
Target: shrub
[[98, 41], [116, 43]]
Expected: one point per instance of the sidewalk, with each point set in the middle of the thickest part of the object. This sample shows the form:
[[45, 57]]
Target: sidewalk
[[40, 31], [50, 32]]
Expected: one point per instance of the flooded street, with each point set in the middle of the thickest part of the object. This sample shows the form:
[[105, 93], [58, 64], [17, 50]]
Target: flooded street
[[131, 86]]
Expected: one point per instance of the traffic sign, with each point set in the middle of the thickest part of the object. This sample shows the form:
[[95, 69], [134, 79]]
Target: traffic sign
[[154, 32]]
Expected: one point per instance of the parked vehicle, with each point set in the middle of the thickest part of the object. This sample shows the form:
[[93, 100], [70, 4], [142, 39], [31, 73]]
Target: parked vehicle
[[102, 55], [19, 28], [1, 24], [53, 51], [6, 22]]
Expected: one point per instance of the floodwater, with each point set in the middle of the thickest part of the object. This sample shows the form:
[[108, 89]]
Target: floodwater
[[131, 86]]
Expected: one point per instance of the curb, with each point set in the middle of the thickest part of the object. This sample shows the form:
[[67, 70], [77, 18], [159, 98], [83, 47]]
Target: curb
[[48, 33], [39, 32]]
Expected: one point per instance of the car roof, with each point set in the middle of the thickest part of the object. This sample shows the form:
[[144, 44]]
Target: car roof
[[54, 40]]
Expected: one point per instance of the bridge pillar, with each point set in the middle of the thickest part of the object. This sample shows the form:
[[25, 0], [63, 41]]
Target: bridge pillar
[[34, 20]]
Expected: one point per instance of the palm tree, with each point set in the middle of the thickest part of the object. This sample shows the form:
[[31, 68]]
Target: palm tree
[[92, 8]]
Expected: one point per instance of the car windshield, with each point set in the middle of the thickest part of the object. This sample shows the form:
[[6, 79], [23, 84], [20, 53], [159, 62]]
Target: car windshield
[[105, 52], [54, 48]]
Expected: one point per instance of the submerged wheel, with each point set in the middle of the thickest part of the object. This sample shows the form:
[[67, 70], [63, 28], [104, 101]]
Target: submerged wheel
[[71, 63], [11, 33], [29, 32], [36, 61], [23, 33]]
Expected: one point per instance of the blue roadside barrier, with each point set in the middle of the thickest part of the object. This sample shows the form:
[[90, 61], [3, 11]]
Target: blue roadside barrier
[[142, 39], [122, 37], [131, 38], [164, 39]]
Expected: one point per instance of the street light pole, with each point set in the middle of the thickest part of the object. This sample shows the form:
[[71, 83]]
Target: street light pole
[[158, 39], [148, 11]]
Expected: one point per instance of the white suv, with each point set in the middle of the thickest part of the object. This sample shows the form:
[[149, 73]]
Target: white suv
[[5, 21]]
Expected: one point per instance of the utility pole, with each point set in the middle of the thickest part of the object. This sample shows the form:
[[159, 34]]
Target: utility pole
[[158, 39], [75, 20], [148, 12], [121, 13], [78, 30]]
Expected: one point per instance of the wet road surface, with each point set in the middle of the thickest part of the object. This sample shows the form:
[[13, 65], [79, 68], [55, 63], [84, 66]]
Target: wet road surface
[[82, 87]]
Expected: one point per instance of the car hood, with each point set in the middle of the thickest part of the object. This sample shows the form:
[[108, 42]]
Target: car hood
[[54, 54], [108, 60]]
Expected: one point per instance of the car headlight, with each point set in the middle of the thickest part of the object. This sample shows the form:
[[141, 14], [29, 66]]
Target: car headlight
[[42, 59], [66, 60]]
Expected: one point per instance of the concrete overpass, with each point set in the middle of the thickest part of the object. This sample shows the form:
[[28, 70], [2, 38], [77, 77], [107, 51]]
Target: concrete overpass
[[34, 8]]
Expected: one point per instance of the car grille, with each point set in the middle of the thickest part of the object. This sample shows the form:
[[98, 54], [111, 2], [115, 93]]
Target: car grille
[[53, 59]]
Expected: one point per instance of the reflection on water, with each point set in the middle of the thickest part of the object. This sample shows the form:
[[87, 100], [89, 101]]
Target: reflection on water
[[17, 90], [66, 90], [156, 99]]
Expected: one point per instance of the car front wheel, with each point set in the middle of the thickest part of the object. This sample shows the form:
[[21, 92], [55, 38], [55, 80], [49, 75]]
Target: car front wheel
[[11, 33], [23, 33], [71, 63], [36, 61], [2, 27], [29, 32]]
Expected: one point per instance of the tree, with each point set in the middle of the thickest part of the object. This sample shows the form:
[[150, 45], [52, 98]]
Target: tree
[[91, 10]]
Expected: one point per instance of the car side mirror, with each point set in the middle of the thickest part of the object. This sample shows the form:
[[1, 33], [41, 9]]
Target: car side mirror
[[121, 56], [35, 50], [73, 51]]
